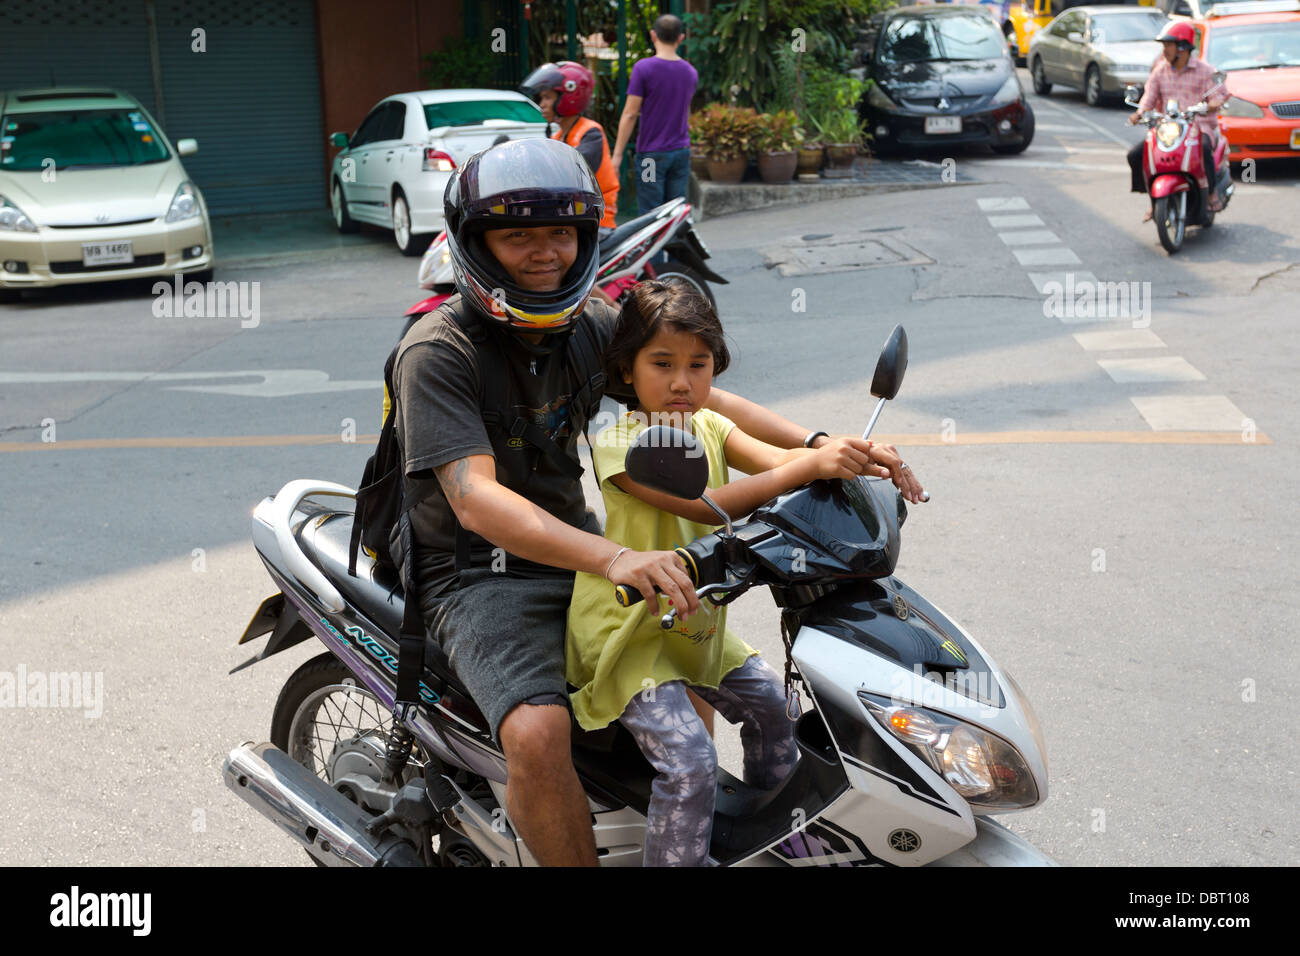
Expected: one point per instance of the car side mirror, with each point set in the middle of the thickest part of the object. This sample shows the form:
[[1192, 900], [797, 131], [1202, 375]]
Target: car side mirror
[[187, 147], [891, 365], [339, 139], [670, 461]]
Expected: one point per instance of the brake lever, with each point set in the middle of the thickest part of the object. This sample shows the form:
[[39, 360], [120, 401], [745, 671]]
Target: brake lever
[[732, 588]]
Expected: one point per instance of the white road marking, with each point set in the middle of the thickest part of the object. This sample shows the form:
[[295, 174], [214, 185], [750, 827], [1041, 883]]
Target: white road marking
[[1002, 203], [1120, 339], [1167, 368], [1033, 237], [1167, 413], [1040, 279], [1010, 222], [275, 382], [1046, 257]]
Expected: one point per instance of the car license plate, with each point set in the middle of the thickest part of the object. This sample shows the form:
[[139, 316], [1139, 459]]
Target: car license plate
[[942, 124], [1295, 139], [106, 253]]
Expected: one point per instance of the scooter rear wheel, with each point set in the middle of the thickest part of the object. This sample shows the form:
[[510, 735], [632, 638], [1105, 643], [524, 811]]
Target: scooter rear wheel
[[1171, 221]]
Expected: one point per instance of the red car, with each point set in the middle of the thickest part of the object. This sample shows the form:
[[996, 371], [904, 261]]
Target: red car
[[1260, 53]]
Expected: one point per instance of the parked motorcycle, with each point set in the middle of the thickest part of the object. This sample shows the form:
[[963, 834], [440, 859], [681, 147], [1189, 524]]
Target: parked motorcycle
[[1175, 173], [911, 741], [625, 256]]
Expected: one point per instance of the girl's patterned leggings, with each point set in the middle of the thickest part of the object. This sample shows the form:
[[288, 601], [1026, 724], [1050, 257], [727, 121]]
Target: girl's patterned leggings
[[677, 744]]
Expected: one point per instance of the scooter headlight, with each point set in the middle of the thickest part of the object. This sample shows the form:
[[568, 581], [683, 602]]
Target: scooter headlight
[[982, 767], [1167, 132]]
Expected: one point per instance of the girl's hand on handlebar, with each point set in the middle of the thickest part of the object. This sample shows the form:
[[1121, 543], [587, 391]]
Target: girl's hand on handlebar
[[899, 472], [647, 570], [843, 456]]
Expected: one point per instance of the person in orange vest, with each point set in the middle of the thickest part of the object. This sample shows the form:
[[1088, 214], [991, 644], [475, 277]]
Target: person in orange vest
[[563, 91]]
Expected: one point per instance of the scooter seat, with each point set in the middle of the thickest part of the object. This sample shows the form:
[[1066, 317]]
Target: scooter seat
[[375, 591], [620, 233]]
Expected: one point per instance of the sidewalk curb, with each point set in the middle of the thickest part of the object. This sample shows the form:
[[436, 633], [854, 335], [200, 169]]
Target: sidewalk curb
[[714, 200]]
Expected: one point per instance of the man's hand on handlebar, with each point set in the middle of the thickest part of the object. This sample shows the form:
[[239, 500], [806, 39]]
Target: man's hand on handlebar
[[647, 570]]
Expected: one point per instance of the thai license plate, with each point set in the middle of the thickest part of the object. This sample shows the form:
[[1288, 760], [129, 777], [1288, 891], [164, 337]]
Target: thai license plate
[[1295, 138], [106, 253], [942, 124]]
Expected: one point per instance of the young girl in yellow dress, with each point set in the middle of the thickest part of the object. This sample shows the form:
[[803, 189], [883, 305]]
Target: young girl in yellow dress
[[668, 346]]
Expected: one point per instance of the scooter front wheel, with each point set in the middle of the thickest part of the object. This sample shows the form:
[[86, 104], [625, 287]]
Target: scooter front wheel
[[1171, 221]]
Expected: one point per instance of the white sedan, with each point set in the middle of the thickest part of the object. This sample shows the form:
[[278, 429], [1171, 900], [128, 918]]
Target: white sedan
[[393, 170]]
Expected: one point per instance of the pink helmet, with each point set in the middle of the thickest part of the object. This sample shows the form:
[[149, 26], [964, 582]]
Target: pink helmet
[[572, 81]]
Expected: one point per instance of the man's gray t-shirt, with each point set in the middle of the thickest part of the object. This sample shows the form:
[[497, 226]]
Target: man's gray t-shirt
[[438, 387]]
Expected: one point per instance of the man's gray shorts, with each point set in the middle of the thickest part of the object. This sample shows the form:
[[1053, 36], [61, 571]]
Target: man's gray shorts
[[504, 637]]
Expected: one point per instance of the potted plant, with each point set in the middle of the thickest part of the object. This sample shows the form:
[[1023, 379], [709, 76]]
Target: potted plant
[[726, 134], [837, 121], [776, 141]]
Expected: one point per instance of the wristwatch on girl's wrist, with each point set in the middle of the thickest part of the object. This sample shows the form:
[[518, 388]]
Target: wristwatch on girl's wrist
[[812, 437]]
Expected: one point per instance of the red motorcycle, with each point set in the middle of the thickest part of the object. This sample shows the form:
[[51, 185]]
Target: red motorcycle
[[1176, 178]]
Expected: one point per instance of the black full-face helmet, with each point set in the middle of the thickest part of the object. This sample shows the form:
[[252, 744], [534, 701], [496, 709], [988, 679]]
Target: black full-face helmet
[[528, 182]]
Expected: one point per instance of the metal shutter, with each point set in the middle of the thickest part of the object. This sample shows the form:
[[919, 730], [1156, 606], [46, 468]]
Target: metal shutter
[[75, 43], [252, 100]]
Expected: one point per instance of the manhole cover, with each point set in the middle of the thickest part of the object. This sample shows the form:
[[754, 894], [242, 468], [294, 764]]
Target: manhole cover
[[843, 252]]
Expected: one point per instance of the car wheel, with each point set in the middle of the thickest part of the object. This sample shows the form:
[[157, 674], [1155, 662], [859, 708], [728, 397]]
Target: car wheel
[[342, 221], [408, 242], [1092, 94], [1041, 86], [1027, 129]]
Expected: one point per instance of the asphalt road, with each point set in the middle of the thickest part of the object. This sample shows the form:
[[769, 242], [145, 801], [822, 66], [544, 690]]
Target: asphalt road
[[1120, 535]]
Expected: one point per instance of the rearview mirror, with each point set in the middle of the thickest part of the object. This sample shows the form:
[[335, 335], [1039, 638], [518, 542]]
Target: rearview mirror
[[891, 365], [187, 147], [670, 461]]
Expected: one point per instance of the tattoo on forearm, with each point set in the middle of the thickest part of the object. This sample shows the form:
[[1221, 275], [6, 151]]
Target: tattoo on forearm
[[454, 478]]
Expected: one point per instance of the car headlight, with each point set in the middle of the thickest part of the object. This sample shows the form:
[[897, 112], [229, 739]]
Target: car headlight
[[1009, 92], [1242, 109], [984, 769], [185, 204], [876, 97], [13, 219], [1167, 132]]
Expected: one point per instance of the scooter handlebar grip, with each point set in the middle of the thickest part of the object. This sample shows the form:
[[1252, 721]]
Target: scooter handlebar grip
[[627, 596]]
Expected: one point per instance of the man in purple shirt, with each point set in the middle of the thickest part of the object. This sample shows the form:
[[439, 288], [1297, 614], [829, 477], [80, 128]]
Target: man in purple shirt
[[664, 83]]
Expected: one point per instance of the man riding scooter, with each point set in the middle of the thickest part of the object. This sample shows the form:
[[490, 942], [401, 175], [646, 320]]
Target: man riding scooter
[[1188, 80]]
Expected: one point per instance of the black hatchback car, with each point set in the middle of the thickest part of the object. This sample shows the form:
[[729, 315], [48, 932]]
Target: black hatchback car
[[942, 76]]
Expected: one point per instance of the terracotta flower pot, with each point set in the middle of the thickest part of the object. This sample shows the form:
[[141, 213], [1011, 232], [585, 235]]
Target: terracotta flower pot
[[810, 160], [728, 171], [842, 154], [777, 167], [699, 165]]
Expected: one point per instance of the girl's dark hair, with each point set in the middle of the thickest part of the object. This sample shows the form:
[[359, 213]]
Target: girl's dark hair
[[649, 307]]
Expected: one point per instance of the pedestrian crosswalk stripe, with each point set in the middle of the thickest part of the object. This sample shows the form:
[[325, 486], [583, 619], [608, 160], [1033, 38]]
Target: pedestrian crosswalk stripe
[[1014, 222], [1164, 368], [1031, 237], [1046, 257], [1002, 203], [1118, 339], [1040, 279], [1194, 413]]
